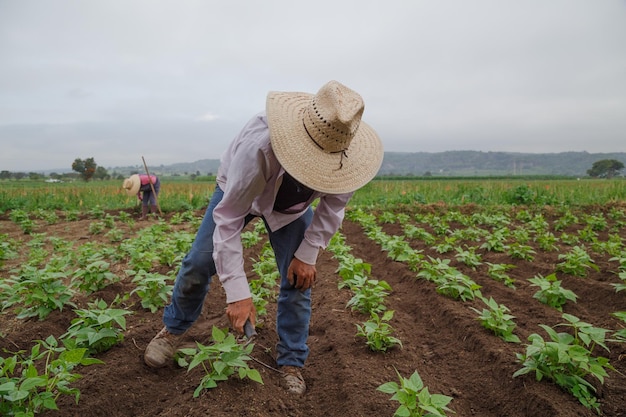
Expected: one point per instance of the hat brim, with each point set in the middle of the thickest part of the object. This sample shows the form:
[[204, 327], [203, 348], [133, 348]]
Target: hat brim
[[135, 184], [332, 173]]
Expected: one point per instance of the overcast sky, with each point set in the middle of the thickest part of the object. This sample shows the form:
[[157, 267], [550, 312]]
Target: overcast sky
[[174, 81]]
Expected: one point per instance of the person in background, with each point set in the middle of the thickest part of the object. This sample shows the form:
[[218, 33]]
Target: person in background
[[139, 184], [302, 148]]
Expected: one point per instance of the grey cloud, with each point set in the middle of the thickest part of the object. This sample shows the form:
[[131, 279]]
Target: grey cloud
[[530, 76]]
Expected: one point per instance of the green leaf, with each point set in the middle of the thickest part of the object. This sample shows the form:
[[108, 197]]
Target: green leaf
[[218, 335], [16, 396], [388, 387], [50, 404], [254, 375], [30, 383], [402, 411], [7, 386]]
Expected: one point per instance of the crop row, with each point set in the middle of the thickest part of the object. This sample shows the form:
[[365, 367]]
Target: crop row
[[565, 358], [178, 195]]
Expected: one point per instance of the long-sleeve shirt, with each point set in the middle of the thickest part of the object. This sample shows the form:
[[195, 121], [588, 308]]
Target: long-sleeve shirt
[[250, 176]]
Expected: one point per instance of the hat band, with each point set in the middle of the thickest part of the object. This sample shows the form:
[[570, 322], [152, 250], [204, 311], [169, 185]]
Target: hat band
[[341, 151]]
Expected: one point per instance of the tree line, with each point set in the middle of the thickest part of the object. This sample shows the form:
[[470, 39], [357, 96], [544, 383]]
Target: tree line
[[87, 169]]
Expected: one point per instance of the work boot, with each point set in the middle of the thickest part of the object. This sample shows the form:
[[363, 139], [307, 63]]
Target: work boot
[[292, 380], [154, 210], [144, 212], [161, 348]]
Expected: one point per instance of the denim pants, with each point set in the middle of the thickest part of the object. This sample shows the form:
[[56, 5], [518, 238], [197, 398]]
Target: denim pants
[[149, 198], [197, 268]]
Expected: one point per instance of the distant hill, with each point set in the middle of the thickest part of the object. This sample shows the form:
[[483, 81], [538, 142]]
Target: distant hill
[[474, 163], [449, 163]]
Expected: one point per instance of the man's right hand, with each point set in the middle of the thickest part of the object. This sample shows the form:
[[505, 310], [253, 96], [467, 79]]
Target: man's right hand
[[240, 311]]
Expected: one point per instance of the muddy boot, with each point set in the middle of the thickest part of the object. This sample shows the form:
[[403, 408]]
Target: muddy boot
[[161, 349], [144, 212], [154, 210], [292, 380]]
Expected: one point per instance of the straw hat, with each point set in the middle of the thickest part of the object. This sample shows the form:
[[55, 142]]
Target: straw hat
[[320, 139], [132, 184]]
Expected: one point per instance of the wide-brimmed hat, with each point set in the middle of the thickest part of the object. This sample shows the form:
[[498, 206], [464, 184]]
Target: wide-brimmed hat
[[321, 140], [132, 184]]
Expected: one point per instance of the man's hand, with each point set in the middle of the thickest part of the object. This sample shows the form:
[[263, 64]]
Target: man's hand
[[240, 311], [304, 274]]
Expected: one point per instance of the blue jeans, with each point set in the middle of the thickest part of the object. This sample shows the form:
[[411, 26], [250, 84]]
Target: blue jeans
[[197, 268], [149, 198]]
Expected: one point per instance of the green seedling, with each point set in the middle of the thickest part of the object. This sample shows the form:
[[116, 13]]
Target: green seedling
[[153, 289], [498, 272], [550, 291], [378, 332], [569, 239], [446, 245], [369, 296], [37, 292], [496, 241], [576, 262], [587, 234], [435, 269], [547, 242], [415, 399], [31, 384], [97, 328], [22, 219], [457, 285], [418, 233], [250, 239], [469, 257], [520, 251], [620, 335], [496, 318], [220, 360], [567, 360], [93, 277], [397, 248], [8, 248]]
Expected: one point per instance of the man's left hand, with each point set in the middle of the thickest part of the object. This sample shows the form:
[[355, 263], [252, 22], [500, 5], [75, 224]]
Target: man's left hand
[[303, 273]]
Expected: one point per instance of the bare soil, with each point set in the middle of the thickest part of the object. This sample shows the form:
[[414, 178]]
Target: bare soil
[[442, 340]]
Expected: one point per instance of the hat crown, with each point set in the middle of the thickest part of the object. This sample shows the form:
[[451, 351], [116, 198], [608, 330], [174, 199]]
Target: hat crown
[[333, 116]]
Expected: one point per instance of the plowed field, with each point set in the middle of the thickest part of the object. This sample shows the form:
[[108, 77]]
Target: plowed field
[[442, 340]]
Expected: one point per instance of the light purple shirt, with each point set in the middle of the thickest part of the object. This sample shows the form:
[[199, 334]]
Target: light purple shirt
[[250, 176]]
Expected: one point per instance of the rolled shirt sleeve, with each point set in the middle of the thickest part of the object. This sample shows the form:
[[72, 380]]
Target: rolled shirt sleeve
[[326, 221]]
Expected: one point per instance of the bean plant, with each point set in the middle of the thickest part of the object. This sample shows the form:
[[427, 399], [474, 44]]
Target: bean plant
[[550, 291], [498, 272], [152, 288], [568, 359], [31, 383], [468, 256], [264, 288], [94, 276], [37, 292], [457, 285], [576, 262], [369, 295], [378, 332], [496, 318], [219, 360], [620, 335], [97, 328], [414, 398], [8, 248], [23, 220]]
